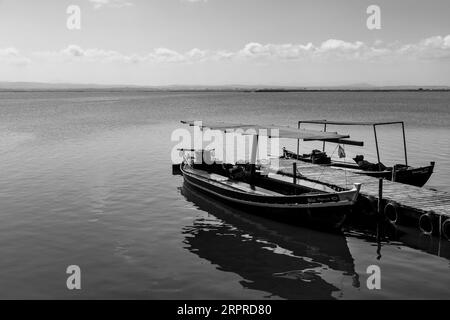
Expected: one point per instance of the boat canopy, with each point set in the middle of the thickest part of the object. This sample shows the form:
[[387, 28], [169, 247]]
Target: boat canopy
[[302, 134], [351, 123], [266, 130], [218, 125], [373, 124]]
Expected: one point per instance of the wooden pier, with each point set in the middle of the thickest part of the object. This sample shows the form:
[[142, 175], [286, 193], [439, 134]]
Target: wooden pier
[[417, 201]]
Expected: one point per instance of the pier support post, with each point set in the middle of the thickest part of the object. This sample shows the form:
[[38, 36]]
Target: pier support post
[[380, 196], [380, 210], [294, 175], [294, 172]]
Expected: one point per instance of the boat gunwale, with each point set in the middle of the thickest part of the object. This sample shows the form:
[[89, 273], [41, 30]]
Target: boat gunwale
[[339, 194], [277, 205]]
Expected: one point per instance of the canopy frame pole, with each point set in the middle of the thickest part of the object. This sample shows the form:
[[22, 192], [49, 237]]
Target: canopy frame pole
[[324, 130], [254, 154], [376, 145], [298, 141], [404, 143]]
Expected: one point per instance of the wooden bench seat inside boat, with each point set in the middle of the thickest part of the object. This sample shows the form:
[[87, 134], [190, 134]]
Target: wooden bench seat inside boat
[[235, 184]]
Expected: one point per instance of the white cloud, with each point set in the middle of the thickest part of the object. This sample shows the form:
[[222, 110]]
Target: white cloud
[[196, 54], [436, 47], [165, 55], [13, 56], [432, 48], [276, 51], [76, 53], [111, 3], [194, 1]]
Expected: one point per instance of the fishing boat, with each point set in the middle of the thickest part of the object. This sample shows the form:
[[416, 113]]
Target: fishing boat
[[244, 185], [403, 173]]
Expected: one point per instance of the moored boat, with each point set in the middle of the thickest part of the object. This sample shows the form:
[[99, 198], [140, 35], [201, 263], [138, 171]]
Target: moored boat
[[270, 196], [403, 173], [243, 185], [415, 176]]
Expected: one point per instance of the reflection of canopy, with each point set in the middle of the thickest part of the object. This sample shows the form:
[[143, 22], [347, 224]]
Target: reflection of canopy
[[267, 130]]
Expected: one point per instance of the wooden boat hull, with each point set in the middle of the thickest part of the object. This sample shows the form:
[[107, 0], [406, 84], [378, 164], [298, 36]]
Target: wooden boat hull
[[329, 209], [412, 176]]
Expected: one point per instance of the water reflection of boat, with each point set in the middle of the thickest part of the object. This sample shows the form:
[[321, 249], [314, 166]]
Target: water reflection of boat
[[285, 261]]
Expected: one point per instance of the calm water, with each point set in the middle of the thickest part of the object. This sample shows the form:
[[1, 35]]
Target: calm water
[[86, 180]]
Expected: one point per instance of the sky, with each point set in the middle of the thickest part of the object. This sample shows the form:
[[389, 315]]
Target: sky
[[225, 42]]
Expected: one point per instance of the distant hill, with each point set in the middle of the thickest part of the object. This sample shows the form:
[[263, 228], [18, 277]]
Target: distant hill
[[38, 86], [52, 86]]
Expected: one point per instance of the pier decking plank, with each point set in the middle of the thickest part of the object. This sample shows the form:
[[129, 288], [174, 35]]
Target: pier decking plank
[[421, 200]]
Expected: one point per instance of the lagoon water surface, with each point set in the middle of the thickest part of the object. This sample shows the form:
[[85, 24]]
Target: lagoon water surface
[[86, 180]]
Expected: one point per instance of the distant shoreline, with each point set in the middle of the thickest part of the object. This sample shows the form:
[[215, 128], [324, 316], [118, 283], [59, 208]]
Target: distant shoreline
[[7, 86], [217, 90]]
